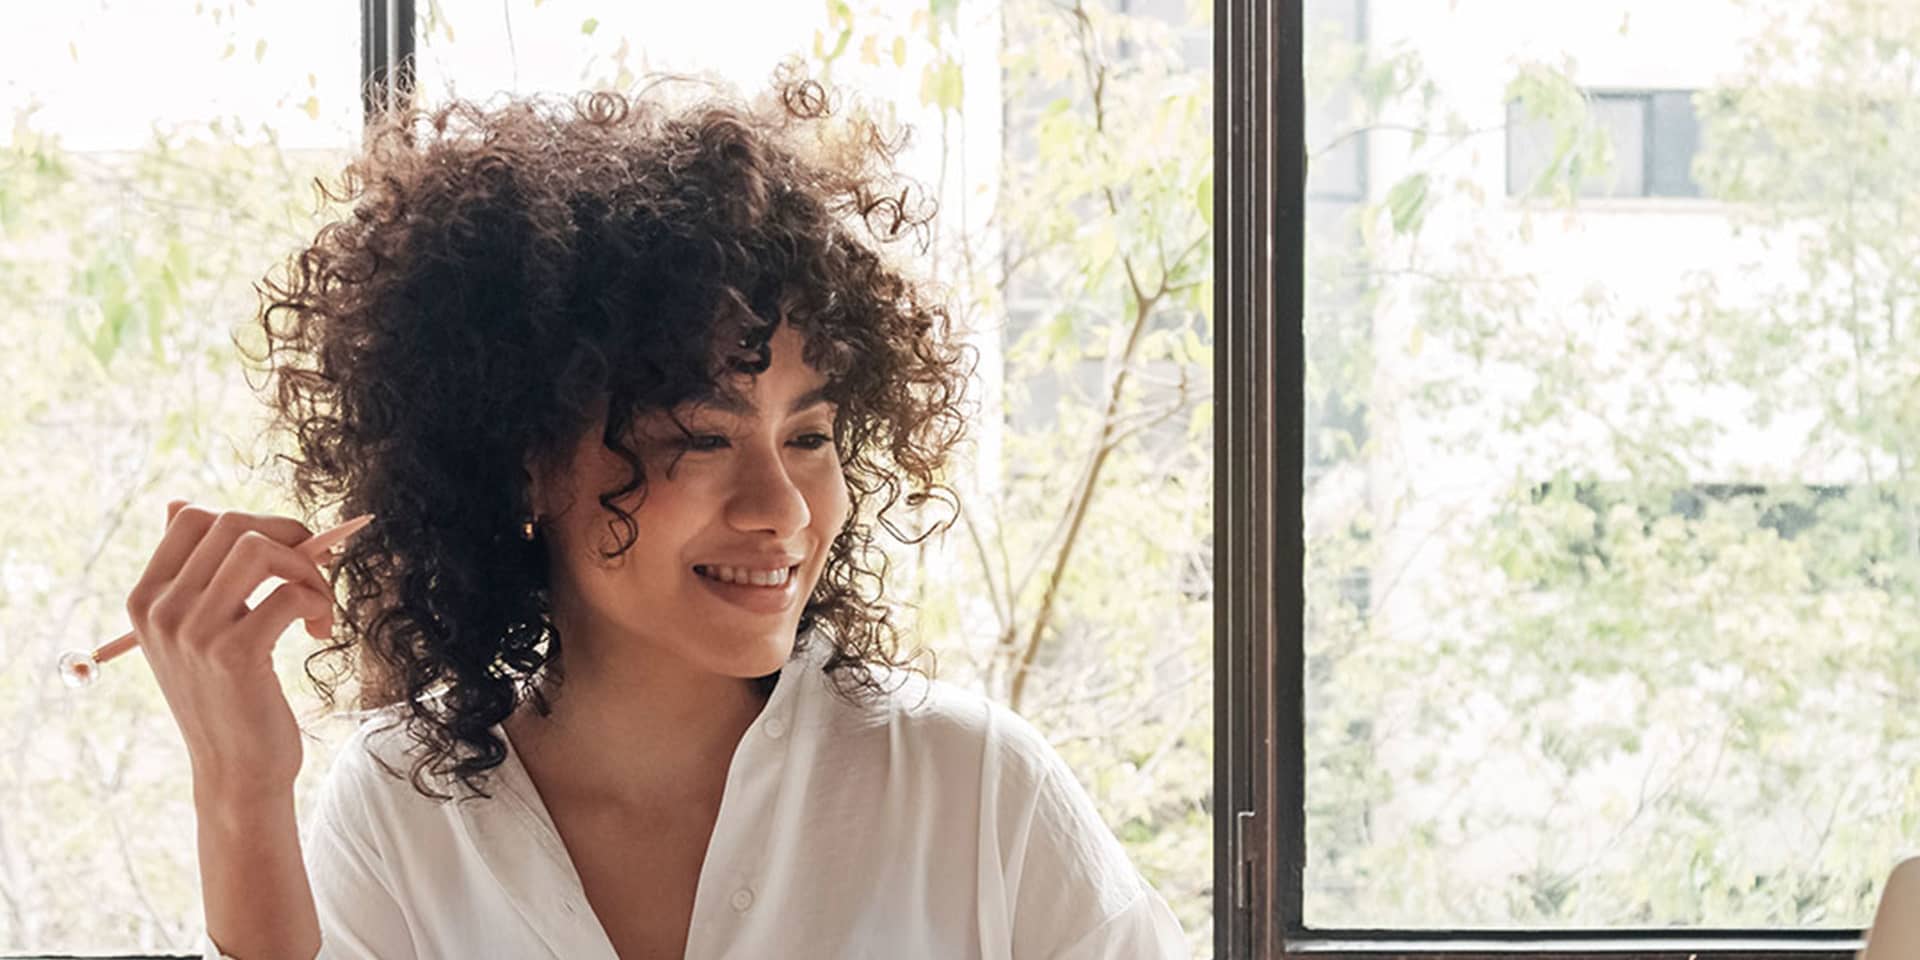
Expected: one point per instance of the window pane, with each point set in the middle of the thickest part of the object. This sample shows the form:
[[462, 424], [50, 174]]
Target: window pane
[[1336, 171], [1538, 145], [1630, 487], [154, 157], [1624, 118], [477, 48], [1676, 138]]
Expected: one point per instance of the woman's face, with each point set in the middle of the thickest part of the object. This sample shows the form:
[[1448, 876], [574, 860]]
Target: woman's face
[[755, 497]]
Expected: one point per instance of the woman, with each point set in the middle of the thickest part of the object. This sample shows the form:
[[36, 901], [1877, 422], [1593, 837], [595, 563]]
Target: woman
[[625, 387]]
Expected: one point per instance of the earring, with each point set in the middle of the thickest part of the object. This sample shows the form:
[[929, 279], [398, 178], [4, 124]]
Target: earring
[[526, 528]]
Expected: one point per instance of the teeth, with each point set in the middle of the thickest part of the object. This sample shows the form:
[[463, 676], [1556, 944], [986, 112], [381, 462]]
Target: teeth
[[742, 575]]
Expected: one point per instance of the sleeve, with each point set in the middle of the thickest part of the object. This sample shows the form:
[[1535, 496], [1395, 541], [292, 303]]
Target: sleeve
[[1076, 894], [1146, 928]]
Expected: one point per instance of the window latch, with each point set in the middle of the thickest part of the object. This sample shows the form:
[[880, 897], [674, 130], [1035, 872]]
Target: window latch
[[1243, 868]]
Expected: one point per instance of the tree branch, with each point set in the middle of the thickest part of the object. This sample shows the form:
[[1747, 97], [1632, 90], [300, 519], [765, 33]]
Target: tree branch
[[1083, 497]]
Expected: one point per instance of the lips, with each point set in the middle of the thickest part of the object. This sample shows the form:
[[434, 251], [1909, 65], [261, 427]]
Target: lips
[[772, 561], [702, 570], [755, 599]]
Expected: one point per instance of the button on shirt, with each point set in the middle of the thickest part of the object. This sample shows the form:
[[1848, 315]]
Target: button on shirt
[[929, 823]]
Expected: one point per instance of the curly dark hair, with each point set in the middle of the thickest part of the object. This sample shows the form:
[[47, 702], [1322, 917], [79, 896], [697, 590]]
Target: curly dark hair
[[510, 270]]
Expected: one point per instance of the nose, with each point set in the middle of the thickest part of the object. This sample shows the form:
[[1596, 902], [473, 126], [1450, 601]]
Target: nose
[[766, 496]]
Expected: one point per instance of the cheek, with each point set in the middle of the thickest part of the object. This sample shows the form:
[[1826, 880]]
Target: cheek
[[831, 501]]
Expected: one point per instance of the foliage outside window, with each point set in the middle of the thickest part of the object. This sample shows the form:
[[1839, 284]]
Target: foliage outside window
[[1630, 490]]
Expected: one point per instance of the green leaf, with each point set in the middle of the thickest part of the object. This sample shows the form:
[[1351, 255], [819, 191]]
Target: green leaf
[[106, 337], [260, 50], [1200, 422], [155, 328], [1203, 195], [940, 85], [1196, 351], [839, 45], [1407, 202], [589, 25]]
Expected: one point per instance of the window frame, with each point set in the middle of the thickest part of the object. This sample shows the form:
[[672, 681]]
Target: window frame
[[1260, 771], [386, 53]]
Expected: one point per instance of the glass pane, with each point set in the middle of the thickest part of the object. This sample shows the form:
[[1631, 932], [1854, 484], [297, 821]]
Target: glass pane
[[1336, 170], [1538, 145], [155, 158], [1676, 139], [1624, 118], [477, 48], [1611, 509]]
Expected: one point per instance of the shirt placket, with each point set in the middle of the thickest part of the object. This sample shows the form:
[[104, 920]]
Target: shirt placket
[[730, 879], [527, 860]]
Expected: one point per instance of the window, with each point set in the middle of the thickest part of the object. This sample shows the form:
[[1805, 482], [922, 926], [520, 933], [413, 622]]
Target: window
[[1635, 528], [149, 153], [1652, 137]]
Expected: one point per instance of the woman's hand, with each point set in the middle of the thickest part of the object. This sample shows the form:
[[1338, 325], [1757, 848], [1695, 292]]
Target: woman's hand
[[213, 657]]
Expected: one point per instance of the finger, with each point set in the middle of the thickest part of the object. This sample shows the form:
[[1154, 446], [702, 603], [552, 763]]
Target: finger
[[288, 602], [253, 559], [186, 525], [226, 531]]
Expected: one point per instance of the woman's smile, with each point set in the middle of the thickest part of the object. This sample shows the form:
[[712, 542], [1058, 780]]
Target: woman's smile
[[755, 597]]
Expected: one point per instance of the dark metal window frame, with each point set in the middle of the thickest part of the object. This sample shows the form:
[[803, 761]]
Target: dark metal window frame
[[1259, 722], [386, 53]]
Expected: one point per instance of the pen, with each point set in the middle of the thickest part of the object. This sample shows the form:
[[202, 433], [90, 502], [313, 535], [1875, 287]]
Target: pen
[[79, 668]]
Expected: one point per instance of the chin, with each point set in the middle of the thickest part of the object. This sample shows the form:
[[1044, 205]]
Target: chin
[[765, 654], [786, 650]]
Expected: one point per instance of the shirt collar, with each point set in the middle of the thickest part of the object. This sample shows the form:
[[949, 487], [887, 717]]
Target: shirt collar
[[517, 841]]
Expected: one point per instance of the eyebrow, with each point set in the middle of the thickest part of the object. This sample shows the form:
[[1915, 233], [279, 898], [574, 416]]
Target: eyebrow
[[740, 406]]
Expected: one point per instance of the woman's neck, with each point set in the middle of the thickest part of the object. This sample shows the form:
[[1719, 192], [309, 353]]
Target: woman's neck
[[668, 737]]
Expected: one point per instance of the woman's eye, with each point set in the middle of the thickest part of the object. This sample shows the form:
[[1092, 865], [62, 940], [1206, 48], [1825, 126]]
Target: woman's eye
[[711, 442]]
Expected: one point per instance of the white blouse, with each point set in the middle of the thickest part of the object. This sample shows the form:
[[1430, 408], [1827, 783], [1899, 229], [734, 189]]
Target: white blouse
[[933, 823]]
